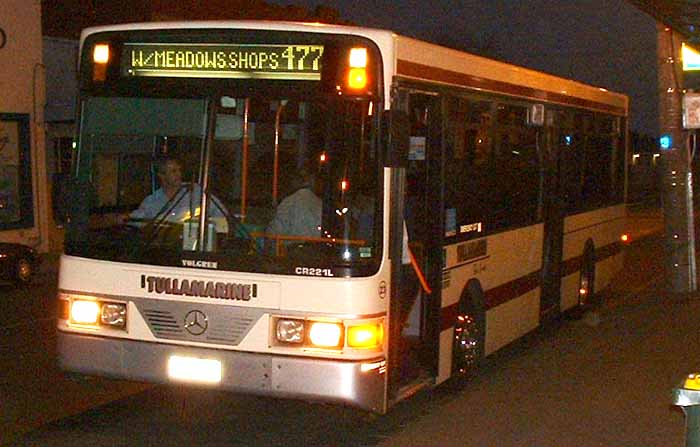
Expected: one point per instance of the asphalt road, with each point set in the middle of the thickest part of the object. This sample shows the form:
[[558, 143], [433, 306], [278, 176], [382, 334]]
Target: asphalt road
[[603, 381]]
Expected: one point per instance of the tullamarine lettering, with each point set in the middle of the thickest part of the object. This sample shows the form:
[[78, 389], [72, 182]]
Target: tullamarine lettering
[[162, 285]]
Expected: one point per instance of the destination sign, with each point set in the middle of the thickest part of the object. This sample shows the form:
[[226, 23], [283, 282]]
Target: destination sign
[[239, 61]]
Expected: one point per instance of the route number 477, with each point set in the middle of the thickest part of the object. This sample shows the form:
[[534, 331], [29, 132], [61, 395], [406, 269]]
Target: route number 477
[[303, 57]]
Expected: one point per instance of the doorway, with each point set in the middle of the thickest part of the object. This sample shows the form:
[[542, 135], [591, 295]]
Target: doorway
[[416, 315]]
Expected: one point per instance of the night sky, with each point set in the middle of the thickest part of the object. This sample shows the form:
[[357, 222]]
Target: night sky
[[607, 43]]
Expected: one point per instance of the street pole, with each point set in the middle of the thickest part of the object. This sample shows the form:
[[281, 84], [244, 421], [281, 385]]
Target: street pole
[[677, 182]]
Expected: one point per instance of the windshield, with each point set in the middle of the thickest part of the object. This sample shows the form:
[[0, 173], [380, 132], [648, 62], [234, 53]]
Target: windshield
[[255, 184]]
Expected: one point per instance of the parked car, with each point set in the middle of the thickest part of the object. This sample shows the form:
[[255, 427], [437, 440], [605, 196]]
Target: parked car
[[18, 263]]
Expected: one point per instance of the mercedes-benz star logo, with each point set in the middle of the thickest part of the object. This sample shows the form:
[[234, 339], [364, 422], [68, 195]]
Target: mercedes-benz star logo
[[196, 322]]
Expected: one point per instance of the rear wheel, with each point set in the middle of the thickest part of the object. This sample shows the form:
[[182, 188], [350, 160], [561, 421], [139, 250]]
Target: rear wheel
[[586, 287], [468, 343]]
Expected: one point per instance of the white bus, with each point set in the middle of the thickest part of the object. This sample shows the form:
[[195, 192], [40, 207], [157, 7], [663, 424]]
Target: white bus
[[312, 158]]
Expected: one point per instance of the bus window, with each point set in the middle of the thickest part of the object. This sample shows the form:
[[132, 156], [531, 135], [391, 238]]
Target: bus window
[[468, 185], [253, 173], [516, 166], [15, 172]]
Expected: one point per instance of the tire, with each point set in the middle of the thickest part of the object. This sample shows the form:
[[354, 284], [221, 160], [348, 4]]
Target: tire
[[468, 341], [586, 284], [24, 271]]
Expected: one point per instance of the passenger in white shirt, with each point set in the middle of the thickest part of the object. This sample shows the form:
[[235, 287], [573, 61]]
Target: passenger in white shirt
[[299, 214]]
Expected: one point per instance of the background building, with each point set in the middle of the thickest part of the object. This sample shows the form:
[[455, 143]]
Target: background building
[[24, 198]]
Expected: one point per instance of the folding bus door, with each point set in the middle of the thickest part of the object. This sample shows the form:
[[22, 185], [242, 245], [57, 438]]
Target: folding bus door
[[415, 317]]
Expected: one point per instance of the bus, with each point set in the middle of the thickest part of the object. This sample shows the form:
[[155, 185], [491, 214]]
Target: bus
[[356, 215]]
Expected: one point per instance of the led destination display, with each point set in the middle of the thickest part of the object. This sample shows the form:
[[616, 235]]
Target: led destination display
[[242, 61]]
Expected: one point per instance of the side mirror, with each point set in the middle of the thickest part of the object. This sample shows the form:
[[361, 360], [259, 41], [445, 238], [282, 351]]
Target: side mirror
[[397, 129]]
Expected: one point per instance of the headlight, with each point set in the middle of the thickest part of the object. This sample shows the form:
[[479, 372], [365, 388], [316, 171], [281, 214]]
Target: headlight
[[326, 335], [309, 333], [113, 314], [84, 312], [290, 331]]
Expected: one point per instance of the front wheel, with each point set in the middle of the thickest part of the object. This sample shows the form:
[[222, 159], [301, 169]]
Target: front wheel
[[468, 344]]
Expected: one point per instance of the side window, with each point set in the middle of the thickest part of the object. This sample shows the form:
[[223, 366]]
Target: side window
[[468, 164], [619, 159], [597, 183], [417, 172], [573, 139], [516, 169], [591, 160], [16, 197]]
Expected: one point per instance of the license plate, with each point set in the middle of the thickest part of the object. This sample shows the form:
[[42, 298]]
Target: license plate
[[193, 369]]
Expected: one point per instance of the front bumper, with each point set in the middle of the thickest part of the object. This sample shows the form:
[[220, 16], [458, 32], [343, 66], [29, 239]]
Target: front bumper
[[261, 374]]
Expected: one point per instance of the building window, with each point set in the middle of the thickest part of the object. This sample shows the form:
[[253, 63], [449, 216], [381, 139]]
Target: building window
[[16, 195]]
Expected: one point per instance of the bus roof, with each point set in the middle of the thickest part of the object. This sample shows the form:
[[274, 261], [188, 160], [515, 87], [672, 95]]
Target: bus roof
[[414, 59]]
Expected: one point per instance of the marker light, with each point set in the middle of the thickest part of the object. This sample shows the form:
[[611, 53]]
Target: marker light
[[365, 336], [84, 312], [344, 185], [325, 335], [357, 78], [100, 54], [625, 238], [100, 57], [323, 157], [358, 58]]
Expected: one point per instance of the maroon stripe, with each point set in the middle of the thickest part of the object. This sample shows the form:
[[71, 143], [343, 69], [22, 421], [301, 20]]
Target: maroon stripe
[[448, 316], [520, 286], [512, 289], [420, 71], [608, 251], [571, 266]]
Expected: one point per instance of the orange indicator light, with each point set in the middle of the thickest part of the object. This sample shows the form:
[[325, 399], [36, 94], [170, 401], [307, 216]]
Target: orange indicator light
[[357, 78], [625, 238], [365, 336], [344, 185]]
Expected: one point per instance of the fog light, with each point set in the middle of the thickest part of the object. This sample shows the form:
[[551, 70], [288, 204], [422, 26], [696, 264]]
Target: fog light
[[84, 312], [290, 331], [325, 335], [113, 314]]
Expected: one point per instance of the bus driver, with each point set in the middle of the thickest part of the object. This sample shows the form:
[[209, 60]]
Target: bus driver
[[173, 196]]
